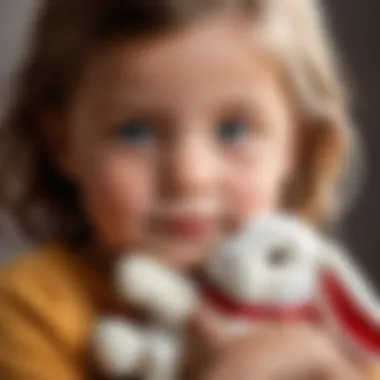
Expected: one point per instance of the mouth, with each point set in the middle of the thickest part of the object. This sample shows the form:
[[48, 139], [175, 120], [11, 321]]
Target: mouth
[[192, 219], [193, 227]]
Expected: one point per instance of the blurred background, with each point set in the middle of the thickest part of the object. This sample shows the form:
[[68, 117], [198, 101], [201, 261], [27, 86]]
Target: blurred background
[[356, 27]]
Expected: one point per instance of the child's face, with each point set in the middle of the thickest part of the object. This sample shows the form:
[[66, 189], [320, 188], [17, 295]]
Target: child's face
[[174, 139]]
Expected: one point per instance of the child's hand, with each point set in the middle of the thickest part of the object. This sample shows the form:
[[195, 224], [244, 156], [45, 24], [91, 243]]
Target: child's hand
[[278, 353]]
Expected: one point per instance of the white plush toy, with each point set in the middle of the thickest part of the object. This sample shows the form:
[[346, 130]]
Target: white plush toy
[[280, 268], [277, 268], [152, 352]]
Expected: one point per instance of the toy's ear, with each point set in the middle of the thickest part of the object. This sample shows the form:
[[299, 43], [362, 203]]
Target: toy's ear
[[349, 301], [165, 294]]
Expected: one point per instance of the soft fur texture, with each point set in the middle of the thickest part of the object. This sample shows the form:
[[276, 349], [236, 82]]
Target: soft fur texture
[[165, 294], [120, 347], [124, 349], [275, 261]]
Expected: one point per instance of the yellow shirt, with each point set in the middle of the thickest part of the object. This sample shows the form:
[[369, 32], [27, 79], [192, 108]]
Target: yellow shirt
[[48, 306], [49, 303]]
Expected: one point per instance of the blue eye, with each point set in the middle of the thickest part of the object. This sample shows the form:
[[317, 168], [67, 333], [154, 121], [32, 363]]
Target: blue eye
[[233, 130], [136, 132]]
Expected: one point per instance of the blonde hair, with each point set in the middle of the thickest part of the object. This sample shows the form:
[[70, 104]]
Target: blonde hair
[[299, 37], [47, 206]]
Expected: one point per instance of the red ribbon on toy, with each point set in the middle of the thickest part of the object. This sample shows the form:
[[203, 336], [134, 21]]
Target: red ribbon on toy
[[229, 307], [349, 316]]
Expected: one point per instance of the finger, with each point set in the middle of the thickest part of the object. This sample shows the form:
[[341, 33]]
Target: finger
[[343, 367], [292, 353], [210, 330], [330, 360]]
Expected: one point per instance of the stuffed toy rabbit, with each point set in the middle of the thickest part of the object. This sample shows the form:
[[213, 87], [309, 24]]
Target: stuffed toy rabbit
[[276, 268], [281, 268], [125, 349]]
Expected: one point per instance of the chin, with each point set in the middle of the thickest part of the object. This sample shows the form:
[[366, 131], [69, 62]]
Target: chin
[[187, 259], [184, 255]]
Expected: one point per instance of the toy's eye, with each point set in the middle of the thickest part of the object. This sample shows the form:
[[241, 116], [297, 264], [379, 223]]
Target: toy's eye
[[280, 256]]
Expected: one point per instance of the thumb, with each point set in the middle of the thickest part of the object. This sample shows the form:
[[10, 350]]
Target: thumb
[[206, 339], [210, 331]]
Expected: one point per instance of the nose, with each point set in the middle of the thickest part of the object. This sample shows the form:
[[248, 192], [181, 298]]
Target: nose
[[192, 166]]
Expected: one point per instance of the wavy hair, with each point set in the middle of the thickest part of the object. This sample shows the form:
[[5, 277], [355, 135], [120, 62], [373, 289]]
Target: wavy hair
[[46, 205]]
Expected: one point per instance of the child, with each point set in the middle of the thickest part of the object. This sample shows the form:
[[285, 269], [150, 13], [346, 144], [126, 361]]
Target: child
[[159, 126]]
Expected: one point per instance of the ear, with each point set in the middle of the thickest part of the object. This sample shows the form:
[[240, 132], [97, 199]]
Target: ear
[[53, 129], [349, 301]]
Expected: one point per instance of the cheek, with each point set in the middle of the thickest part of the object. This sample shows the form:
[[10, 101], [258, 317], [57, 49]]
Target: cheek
[[117, 197], [247, 191], [257, 178]]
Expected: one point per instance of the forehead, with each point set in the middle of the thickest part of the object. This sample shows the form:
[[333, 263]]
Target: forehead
[[204, 58]]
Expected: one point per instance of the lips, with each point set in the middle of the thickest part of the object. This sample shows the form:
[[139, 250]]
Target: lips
[[189, 227]]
